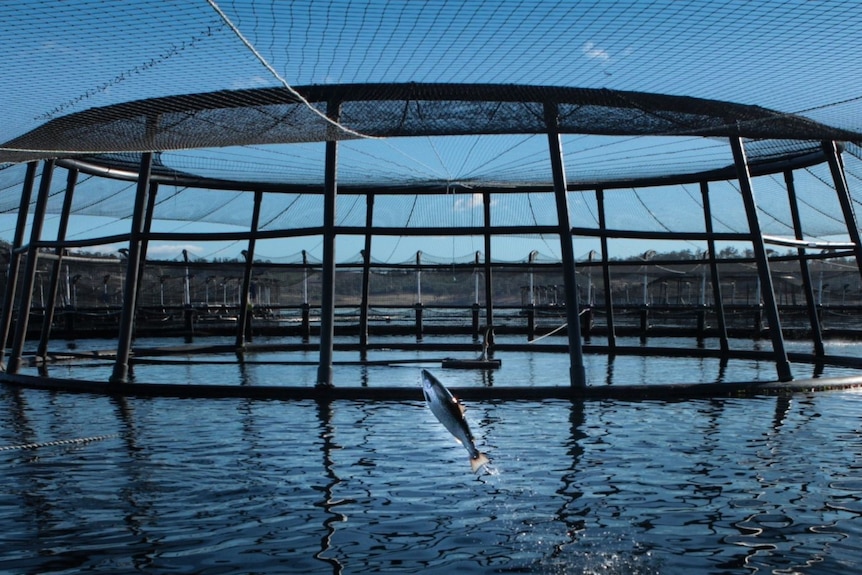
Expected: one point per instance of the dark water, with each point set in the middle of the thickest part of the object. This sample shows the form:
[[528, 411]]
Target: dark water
[[105, 485]]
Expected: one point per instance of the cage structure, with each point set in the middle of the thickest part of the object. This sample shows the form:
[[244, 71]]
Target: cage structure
[[546, 111], [398, 136]]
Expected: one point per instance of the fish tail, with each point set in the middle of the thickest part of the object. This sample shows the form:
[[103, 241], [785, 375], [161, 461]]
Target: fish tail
[[476, 463]]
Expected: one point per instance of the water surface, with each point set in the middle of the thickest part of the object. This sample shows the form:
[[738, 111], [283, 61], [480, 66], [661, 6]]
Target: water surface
[[116, 485]]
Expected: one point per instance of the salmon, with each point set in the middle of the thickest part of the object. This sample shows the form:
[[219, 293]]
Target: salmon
[[450, 413]]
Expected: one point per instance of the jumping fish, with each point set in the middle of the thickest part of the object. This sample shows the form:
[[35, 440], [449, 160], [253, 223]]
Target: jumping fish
[[450, 412]]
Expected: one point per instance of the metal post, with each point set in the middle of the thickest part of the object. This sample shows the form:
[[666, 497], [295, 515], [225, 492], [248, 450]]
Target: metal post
[[145, 239], [418, 306], [766, 290], [366, 274], [475, 308], [327, 302], [830, 149], [188, 312], [245, 302], [15, 257], [718, 299], [148, 223], [577, 373], [53, 286], [419, 277], [306, 310], [531, 302], [606, 270], [26, 299], [807, 286], [489, 294], [133, 265]]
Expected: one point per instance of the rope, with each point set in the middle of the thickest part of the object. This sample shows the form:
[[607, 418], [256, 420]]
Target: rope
[[79, 440], [278, 76], [556, 329], [552, 332]]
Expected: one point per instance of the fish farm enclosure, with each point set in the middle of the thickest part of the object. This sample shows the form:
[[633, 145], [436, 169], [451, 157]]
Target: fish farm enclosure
[[716, 292], [239, 236]]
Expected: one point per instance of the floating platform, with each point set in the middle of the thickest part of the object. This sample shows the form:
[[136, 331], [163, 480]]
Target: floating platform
[[538, 393], [478, 363]]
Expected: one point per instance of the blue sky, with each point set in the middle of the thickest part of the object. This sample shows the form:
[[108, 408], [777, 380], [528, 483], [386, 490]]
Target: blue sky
[[793, 56]]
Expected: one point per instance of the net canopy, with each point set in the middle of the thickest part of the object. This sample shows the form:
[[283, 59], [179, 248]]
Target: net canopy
[[441, 95]]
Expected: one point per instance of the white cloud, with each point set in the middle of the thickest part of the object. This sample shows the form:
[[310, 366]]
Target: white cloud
[[253, 82], [471, 202], [593, 52]]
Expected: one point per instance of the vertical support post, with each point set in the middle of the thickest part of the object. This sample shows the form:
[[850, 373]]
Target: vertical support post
[[188, 312], [718, 299], [148, 223], [766, 290], [306, 308], [531, 301], [54, 284], [419, 326], [327, 302], [245, 301], [577, 373], [830, 150], [489, 293], [15, 258], [26, 299], [366, 275], [419, 277], [418, 306], [187, 278], [133, 266], [145, 238], [606, 271], [807, 286], [475, 308]]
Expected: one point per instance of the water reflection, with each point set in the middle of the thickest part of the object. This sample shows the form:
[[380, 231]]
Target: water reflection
[[487, 377], [329, 504], [139, 509], [572, 513], [704, 482], [707, 486], [722, 369]]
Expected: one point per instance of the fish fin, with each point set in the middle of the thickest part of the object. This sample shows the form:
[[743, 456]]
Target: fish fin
[[476, 463], [460, 405]]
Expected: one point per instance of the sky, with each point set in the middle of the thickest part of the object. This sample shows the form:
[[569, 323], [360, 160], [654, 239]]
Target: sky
[[66, 54]]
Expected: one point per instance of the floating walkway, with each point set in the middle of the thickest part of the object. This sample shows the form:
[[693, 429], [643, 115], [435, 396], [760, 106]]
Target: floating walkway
[[622, 392], [675, 391]]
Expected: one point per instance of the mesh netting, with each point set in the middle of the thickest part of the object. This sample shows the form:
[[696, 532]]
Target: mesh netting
[[273, 116], [726, 50], [438, 103], [521, 220], [218, 74]]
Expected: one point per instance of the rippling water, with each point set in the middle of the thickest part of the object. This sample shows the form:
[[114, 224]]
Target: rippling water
[[107, 485]]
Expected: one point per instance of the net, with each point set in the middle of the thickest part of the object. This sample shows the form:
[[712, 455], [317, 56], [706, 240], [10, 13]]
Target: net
[[434, 103]]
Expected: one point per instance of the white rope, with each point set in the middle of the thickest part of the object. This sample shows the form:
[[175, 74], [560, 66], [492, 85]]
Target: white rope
[[278, 76], [556, 329], [552, 332], [59, 442]]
